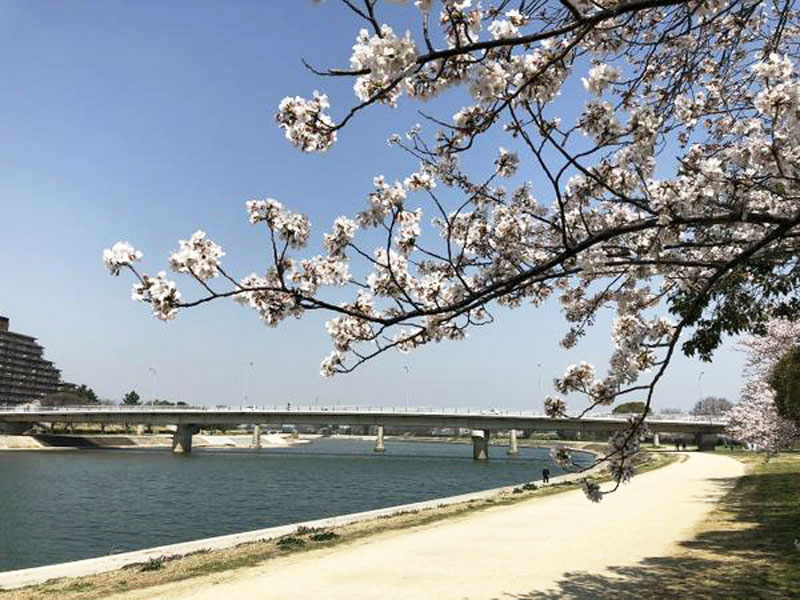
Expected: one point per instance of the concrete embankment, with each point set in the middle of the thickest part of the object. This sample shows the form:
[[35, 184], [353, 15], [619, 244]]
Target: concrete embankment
[[36, 575], [117, 441]]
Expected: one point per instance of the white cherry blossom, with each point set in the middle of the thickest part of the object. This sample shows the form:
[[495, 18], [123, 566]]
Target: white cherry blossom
[[305, 122], [120, 255], [387, 58], [161, 293], [600, 77], [198, 256], [507, 163]]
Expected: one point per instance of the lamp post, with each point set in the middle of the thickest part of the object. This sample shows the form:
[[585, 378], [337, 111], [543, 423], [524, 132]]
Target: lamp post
[[408, 372], [247, 369], [154, 374], [700, 386], [539, 377]]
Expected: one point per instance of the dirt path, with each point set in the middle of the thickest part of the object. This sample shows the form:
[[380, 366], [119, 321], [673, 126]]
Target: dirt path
[[505, 552]]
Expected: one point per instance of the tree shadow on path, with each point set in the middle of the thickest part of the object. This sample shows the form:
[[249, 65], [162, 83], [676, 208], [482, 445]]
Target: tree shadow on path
[[746, 549]]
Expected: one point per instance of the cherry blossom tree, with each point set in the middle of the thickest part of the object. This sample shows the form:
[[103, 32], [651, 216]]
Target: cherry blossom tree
[[756, 419], [671, 190]]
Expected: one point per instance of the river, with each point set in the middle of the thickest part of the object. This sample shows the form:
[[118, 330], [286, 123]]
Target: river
[[59, 506]]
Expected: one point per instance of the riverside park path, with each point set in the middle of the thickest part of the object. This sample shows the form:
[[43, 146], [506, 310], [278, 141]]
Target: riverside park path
[[504, 552]]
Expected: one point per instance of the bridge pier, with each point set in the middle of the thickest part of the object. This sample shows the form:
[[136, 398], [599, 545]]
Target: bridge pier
[[705, 441], [656, 441], [379, 446], [480, 444], [513, 449], [256, 443], [140, 430], [182, 438]]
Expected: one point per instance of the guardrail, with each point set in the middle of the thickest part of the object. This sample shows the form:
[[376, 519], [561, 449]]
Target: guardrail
[[339, 409]]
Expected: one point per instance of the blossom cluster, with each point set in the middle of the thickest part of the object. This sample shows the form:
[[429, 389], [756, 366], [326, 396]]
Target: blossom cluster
[[305, 122], [198, 256], [507, 28], [268, 297], [386, 58], [120, 255], [561, 455], [506, 163], [292, 228], [599, 78], [344, 230], [591, 489], [555, 407], [161, 293], [386, 199]]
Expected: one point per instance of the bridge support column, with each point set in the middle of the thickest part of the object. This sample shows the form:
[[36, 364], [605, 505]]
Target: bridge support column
[[140, 430], [480, 444], [379, 446], [182, 438], [656, 440], [705, 441], [513, 449], [256, 443]]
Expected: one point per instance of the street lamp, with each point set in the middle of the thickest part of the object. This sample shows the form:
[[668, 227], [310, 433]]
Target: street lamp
[[539, 372], [153, 384], [408, 372], [247, 369]]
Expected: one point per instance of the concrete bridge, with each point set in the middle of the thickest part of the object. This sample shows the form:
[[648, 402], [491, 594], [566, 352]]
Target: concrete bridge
[[189, 420]]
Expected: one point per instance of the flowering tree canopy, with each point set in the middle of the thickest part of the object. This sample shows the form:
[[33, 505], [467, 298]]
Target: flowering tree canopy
[[756, 419], [671, 188]]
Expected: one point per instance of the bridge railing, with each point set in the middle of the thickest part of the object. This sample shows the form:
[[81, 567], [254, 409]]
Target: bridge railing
[[280, 408], [338, 409]]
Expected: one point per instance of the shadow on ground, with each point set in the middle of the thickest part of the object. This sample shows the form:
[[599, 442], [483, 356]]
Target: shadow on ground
[[746, 550]]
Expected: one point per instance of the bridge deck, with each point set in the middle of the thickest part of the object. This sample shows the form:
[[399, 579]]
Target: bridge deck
[[388, 417]]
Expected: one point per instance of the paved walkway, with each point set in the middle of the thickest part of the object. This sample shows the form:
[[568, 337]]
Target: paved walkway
[[504, 552]]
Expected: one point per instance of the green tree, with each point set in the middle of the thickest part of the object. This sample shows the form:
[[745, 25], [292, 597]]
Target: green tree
[[131, 398], [629, 408], [785, 380], [83, 391]]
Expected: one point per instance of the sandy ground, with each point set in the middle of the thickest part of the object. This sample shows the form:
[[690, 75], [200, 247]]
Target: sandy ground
[[18, 442], [505, 552]]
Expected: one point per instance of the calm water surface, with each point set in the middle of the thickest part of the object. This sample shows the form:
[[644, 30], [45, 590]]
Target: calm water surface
[[60, 506]]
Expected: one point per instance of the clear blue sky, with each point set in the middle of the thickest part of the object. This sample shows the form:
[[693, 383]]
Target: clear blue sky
[[145, 121]]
